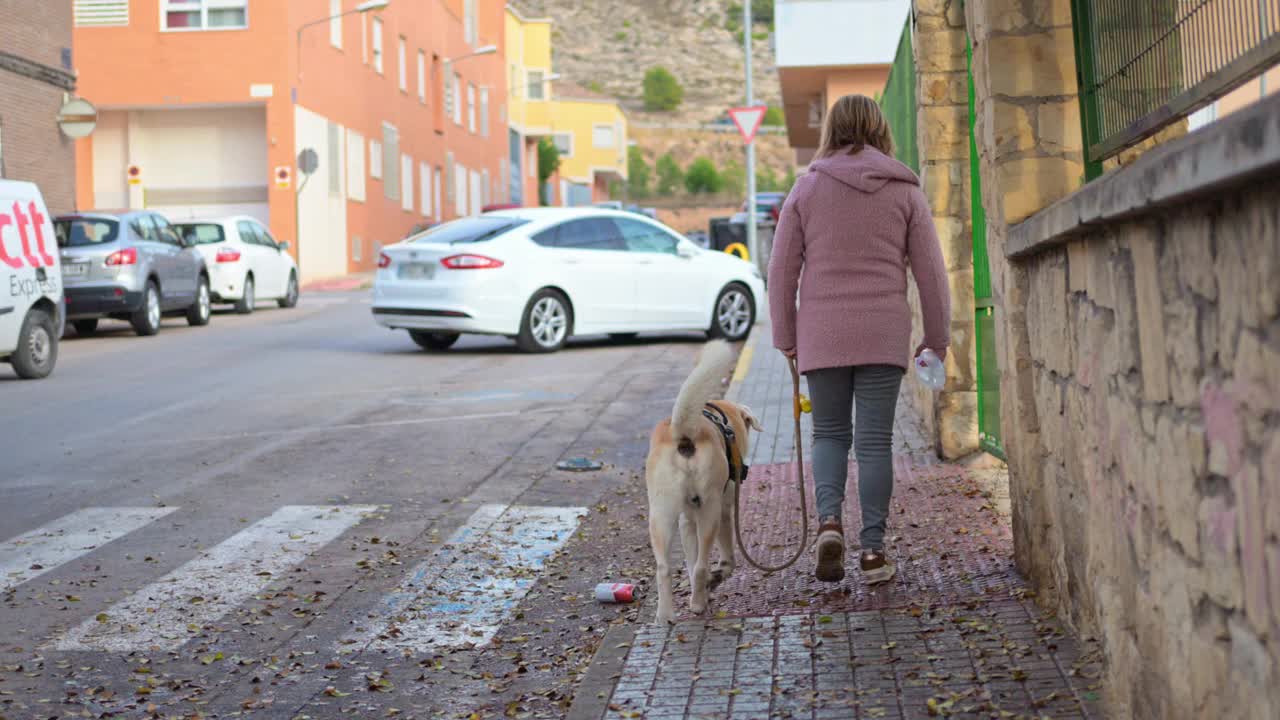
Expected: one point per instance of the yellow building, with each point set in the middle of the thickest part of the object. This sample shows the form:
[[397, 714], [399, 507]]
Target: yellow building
[[589, 129]]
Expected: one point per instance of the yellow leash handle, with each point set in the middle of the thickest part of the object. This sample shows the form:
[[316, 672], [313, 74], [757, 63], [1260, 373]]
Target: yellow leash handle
[[799, 404]]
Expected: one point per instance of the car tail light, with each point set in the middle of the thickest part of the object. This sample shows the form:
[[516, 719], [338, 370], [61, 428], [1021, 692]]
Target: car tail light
[[127, 256], [470, 262], [228, 255], [384, 260]]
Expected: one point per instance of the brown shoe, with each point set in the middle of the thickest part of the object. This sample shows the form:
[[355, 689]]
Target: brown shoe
[[876, 568], [830, 551]]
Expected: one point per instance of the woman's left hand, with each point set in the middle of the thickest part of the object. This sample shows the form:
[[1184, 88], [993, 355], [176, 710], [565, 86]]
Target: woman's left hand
[[791, 353]]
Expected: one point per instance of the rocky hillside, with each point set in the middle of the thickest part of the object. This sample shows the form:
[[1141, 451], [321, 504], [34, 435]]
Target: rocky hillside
[[607, 45]]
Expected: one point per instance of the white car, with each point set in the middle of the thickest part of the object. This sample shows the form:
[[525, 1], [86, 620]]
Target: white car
[[245, 262], [541, 275], [32, 310]]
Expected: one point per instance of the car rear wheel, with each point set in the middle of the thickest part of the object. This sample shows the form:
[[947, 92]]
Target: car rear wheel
[[198, 313], [87, 327], [37, 350], [244, 305], [433, 340], [734, 313], [290, 298], [146, 319], [546, 322]]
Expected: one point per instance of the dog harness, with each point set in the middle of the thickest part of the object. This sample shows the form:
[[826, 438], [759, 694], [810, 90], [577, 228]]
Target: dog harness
[[737, 468]]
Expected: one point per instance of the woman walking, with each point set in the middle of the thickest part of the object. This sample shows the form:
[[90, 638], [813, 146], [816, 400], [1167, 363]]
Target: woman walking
[[846, 236]]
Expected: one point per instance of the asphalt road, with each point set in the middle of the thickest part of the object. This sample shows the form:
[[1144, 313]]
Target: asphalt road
[[298, 513]]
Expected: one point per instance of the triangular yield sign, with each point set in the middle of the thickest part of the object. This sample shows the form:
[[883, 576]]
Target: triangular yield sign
[[748, 120]]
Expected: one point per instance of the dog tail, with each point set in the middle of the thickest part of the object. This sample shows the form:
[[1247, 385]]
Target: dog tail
[[699, 389]]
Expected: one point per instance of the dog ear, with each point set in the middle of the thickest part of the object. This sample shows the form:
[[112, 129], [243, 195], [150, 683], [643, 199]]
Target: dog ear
[[749, 418]]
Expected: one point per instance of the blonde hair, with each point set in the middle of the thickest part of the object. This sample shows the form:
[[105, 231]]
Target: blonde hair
[[854, 122]]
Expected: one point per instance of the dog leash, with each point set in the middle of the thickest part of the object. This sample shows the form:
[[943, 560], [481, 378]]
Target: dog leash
[[804, 509]]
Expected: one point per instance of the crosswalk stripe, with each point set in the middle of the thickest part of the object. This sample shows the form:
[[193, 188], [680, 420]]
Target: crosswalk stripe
[[35, 553], [208, 587], [463, 594]]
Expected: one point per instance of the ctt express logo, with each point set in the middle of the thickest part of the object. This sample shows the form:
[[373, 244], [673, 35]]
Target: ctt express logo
[[28, 225]]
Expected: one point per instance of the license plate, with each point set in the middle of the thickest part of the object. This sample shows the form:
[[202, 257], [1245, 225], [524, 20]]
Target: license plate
[[75, 270], [417, 271]]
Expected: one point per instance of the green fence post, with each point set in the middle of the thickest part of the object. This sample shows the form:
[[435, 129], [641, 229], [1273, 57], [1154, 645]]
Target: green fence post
[[1086, 83]]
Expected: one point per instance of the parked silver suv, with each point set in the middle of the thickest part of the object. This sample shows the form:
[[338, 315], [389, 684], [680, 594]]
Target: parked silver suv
[[129, 265]]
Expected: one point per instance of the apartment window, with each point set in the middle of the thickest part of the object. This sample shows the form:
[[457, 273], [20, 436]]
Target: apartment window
[[101, 13], [355, 166], [377, 44], [356, 244], [457, 99], [439, 93], [460, 175], [602, 137], [364, 38], [484, 112], [534, 89], [450, 168], [404, 65], [422, 77], [390, 161], [470, 22], [375, 159], [424, 188], [335, 25], [436, 206], [204, 14], [487, 187], [471, 108], [334, 161], [406, 177], [564, 143]]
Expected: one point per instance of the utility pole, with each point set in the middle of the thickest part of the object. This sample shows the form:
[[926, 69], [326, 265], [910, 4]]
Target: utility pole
[[752, 249]]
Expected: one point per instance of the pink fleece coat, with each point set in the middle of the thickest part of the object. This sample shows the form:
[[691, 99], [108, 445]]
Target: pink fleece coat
[[846, 235]]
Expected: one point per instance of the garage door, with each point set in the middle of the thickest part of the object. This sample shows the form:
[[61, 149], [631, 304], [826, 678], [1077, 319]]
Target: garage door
[[194, 163]]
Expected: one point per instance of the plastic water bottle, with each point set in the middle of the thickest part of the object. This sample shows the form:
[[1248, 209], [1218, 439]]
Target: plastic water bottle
[[930, 370]]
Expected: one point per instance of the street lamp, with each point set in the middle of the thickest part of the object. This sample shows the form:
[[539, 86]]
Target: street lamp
[[365, 7], [486, 50]]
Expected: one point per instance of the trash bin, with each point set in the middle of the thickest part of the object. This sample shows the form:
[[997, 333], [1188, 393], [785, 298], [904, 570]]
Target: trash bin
[[725, 233]]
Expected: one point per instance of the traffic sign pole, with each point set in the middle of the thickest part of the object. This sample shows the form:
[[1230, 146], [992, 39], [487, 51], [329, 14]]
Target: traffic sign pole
[[752, 246]]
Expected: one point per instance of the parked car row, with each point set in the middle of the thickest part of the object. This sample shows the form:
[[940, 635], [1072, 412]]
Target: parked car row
[[131, 265], [543, 275]]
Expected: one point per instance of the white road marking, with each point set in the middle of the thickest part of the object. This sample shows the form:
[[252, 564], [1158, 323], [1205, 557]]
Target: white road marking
[[161, 614], [33, 554], [461, 596]]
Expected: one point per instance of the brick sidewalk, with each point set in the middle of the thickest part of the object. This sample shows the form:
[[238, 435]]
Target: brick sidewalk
[[955, 634]]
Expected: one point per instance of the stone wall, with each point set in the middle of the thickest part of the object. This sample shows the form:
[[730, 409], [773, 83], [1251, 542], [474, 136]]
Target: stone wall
[[1138, 327], [951, 416]]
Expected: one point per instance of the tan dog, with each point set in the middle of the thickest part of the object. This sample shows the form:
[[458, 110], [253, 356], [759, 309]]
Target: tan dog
[[687, 474]]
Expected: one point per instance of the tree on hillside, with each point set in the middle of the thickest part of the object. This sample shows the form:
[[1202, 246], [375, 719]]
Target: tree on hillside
[[662, 92], [774, 116], [702, 177], [767, 180], [637, 174], [548, 163], [669, 175], [733, 177]]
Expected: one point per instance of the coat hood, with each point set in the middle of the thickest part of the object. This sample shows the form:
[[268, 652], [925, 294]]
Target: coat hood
[[868, 170]]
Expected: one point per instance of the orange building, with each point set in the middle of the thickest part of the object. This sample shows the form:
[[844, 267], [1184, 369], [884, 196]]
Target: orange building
[[210, 102]]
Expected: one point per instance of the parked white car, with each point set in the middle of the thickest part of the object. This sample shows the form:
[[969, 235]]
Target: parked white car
[[32, 311], [541, 275], [245, 262]]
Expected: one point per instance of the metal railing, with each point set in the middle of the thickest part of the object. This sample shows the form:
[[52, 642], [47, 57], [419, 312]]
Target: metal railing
[[1144, 64]]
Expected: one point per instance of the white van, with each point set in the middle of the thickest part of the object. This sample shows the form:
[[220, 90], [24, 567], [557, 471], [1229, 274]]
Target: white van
[[32, 309]]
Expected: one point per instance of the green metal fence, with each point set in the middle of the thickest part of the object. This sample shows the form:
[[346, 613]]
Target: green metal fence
[[984, 319], [899, 102], [1143, 64]]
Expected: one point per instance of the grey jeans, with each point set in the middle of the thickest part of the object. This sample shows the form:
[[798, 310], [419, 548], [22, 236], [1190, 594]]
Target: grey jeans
[[833, 391]]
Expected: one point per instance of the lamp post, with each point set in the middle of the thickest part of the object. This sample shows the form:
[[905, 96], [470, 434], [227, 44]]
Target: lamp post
[[364, 7]]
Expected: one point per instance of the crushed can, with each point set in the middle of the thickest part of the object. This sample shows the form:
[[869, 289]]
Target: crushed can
[[615, 592]]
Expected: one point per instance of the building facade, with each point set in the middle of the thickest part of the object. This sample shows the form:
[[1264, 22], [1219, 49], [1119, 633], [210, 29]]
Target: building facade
[[210, 103], [36, 78], [588, 128]]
